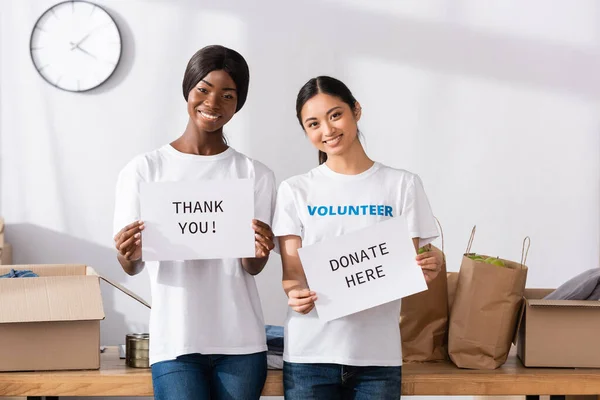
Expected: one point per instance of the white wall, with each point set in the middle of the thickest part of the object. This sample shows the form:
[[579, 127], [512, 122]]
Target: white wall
[[494, 104]]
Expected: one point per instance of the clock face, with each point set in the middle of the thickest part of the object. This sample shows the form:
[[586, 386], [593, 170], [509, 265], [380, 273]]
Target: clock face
[[75, 46]]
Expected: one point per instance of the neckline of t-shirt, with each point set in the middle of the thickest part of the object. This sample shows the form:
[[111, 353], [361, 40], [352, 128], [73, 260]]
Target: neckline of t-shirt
[[173, 151], [336, 175]]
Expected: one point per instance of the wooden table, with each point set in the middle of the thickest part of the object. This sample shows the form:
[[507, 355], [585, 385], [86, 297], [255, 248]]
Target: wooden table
[[115, 379]]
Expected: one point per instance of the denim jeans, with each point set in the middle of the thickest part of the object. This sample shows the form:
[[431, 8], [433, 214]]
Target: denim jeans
[[340, 382], [217, 377]]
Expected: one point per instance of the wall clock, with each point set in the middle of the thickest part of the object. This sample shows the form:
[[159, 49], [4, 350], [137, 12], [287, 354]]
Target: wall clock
[[75, 45]]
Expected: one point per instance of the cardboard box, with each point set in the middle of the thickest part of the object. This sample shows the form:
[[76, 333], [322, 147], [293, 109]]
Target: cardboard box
[[558, 333], [51, 322]]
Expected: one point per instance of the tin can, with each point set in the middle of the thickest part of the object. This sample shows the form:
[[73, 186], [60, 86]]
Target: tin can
[[137, 346]]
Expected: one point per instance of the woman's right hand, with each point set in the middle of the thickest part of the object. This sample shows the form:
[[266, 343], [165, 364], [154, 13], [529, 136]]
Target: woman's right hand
[[129, 241], [302, 300]]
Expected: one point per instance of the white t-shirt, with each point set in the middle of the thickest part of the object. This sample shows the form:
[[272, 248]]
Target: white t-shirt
[[322, 204], [199, 306]]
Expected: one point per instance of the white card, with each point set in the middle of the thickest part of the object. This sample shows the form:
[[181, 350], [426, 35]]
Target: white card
[[362, 269], [197, 219]]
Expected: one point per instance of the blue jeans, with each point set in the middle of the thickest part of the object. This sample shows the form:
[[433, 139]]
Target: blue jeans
[[340, 382], [218, 377]]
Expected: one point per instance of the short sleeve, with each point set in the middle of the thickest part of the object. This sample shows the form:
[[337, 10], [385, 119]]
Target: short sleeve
[[264, 198], [418, 214], [127, 197], [286, 220]]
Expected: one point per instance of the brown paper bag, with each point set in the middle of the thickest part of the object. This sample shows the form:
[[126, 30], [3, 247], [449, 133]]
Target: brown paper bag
[[424, 321], [1, 232], [452, 278], [484, 315], [5, 249], [6, 254]]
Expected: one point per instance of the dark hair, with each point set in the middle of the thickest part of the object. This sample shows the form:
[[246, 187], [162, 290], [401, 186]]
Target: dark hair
[[213, 58], [327, 85]]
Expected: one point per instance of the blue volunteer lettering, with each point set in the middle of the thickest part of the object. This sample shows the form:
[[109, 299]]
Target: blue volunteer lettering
[[366, 209]]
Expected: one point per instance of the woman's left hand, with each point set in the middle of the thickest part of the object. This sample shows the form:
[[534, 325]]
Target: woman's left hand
[[263, 238], [431, 263]]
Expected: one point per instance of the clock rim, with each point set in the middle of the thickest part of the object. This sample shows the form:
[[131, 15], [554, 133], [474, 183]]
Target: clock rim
[[118, 33]]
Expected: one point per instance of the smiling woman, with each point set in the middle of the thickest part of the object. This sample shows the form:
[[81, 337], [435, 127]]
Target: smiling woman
[[215, 86], [347, 192], [212, 102], [329, 122], [206, 322]]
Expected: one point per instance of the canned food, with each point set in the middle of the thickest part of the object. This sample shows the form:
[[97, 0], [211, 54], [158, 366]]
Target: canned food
[[137, 346], [138, 363]]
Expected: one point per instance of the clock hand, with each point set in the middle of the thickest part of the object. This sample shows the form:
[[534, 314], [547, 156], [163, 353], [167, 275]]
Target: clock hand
[[73, 45], [86, 52]]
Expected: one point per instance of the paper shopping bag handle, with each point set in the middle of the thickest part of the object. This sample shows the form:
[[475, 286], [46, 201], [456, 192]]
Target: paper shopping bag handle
[[441, 234], [525, 252], [471, 240]]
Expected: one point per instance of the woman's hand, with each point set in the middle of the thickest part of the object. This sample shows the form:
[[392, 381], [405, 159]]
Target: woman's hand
[[302, 300], [129, 241], [431, 262], [263, 244], [263, 239]]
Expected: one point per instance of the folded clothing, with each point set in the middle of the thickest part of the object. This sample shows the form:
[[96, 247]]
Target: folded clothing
[[585, 286], [274, 361], [19, 274], [274, 339], [595, 294]]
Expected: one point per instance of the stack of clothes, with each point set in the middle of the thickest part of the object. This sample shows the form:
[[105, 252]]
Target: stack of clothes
[[19, 274], [274, 346], [585, 286]]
